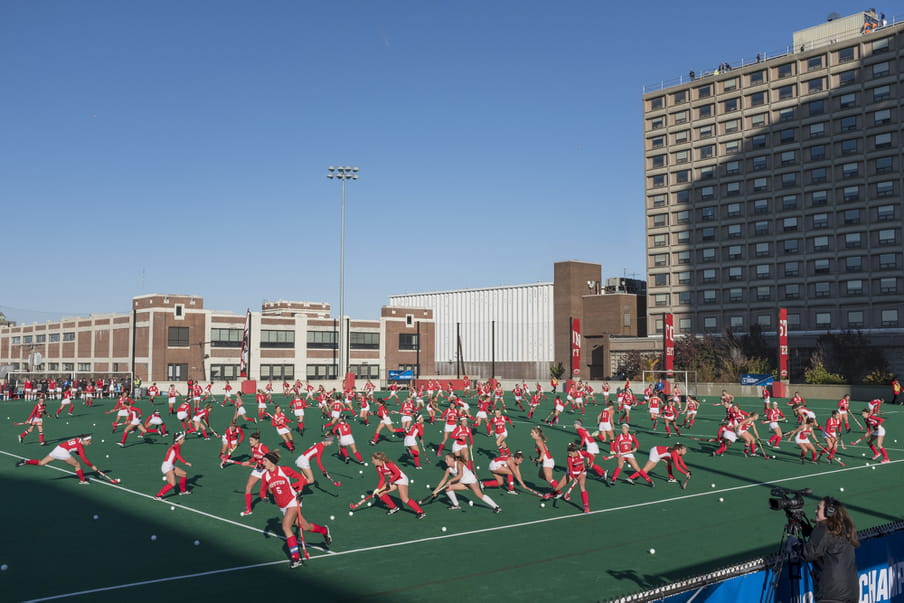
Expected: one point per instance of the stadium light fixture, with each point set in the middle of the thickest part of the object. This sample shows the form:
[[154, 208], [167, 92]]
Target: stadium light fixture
[[342, 173]]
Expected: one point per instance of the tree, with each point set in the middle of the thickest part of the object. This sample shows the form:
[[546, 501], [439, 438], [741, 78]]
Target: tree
[[557, 370]]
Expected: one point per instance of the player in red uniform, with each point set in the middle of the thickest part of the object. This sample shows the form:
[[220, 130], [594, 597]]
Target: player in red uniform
[[155, 424], [832, 433], [133, 422], [459, 477], [624, 446], [169, 469], [773, 415], [413, 435], [277, 481], [534, 403], [463, 440], [64, 402], [506, 468], [343, 430], [802, 434], [557, 408], [499, 430], [315, 452], [591, 448], [63, 452], [385, 422], [743, 429], [232, 437], [576, 472], [153, 392], [280, 421], [392, 479], [450, 418], [258, 450], [36, 419], [544, 458], [876, 434], [672, 457]]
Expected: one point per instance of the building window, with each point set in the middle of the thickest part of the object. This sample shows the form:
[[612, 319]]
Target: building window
[[730, 84], [657, 181], [682, 196], [709, 254], [888, 261], [820, 243], [846, 78], [817, 152], [764, 320], [880, 46], [679, 97], [732, 147], [277, 339], [760, 184], [681, 137], [883, 165], [736, 322], [814, 63], [682, 157], [709, 296], [660, 259], [660, 240], [881, 93], [277, 372], [792, 291], [680, 117], [656, 103], [732, 189], [735, 294], [786, 70], [54, 338], [658, 200], [886, 285], [657, 161], [887, 237], [787, 135], [761, 228], [855, 319], [756, 77], [657, 142], [177, 337], [823, 320], [815, 85], [408, 341], [853, 263], [704, 91], [788, 157], [70, 336], [786, 92], [705, 132], [852, 216], [881, 69], [734, 231], [851, 193], [818, 129], [321, 372], [710, 324], [176, 372], [763, 293], [789, 180], [761, 250], [850, 170], [854, 287], [684, 325], [882, 141], [849, 147], [684, 257], [661, 280], [322, 340], [816, 107], [885, 189], [821, 266], [707, 152], [683, 217], [708, 234], [757, 99], [705, 111], [820, 220], [733, 210], [366, 371], [818, 175], [684, 298], [759, 162], [848, 123], [732, 167], [758, 120], [709, 275], [224, 372], [226, 338], [791, 246], [735, 252], [358, 340], [792, 268], [821, 289], [819, 198], [684, 277], [736, 273], [731, 125], [885, 212], [889, 318], [763, 271]]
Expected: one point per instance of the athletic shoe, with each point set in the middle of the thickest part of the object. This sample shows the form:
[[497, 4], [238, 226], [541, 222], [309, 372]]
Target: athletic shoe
[[347, 460], [392, 511], [20, 438], [511, 492], [586, 509], [612, 482], [883, 461], [454, 507], [328, 538], [629, 480], [371, 442], [158, 497], [652, 484], [497, 509], [185, 493], [875, 456], [420, 515], [244, 513], [43, 444], [83, 482], [418, 468], [140, 435], [20, 462], [296, 563], [672, 480], [120, 444]]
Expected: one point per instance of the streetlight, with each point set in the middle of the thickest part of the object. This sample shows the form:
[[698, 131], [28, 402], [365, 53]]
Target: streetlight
[[343, 173]]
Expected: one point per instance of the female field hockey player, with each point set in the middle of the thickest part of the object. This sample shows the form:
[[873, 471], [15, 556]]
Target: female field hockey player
[[63, 452], [605, 420], [36, 419], [280, 421], [414, 434], [802, 434], [314, 452], [544, 458], [169, 469], [624, 446], [591, 448], [258, 450], [393, 479], [343, 430], [232, 437], [831, 431], [506, 468], [876, 434], [672, 457], [458, 477], [277, 481]]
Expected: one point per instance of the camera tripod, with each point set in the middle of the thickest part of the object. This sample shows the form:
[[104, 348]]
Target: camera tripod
[[798, 527]]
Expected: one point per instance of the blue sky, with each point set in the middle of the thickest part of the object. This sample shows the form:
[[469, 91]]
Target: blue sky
[[182, 147]]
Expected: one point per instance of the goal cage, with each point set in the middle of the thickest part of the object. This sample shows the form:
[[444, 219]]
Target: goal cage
[[686, 381], [117, 380]]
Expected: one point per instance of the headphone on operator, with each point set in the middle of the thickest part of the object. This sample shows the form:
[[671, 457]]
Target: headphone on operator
[[830, 505]]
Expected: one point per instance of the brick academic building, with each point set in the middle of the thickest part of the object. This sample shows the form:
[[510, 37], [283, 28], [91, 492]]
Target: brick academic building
[[169, 338]]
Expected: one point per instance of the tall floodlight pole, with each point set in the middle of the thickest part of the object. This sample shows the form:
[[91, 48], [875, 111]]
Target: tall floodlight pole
[[342, 173]]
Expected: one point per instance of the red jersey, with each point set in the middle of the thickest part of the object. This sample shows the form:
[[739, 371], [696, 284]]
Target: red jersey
[[257, 455], [873, 422], [832, 426], [153, 391], [315, 452], [75, 445], [234, 436], [462, 435], [669, 413], [625, 443], [407, 407], [451, 416], [499, 424], [37, 412], [585, 436], [298, 403], [184, 407], [576, 465], [416, 430], [389, 473], [278, 482], [342, 429], [278, 419], [672, 457], [173, 454]]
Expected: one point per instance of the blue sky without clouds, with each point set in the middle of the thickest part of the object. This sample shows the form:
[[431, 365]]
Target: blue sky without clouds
[[182, 147]]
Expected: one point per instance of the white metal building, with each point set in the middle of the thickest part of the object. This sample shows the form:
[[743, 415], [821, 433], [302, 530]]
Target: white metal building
[[509, 328]]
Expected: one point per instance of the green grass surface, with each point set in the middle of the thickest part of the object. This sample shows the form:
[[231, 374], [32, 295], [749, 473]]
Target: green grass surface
[[52, 544]]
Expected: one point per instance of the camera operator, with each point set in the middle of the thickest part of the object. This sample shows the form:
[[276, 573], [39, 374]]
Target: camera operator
[[830, 549]]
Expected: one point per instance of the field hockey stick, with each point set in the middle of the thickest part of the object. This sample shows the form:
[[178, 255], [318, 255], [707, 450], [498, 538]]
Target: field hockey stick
[[574, 482], [330, 477], [762, 448], [242, 463], [686, 480], [304, 549], [831, 458], [107, 477], [858, 440], [696, 439], [857, 422], [429, 499]]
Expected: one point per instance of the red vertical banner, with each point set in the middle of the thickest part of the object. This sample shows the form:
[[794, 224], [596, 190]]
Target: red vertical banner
[[575, 347], [783, 343], [668, 340], [245, 357]]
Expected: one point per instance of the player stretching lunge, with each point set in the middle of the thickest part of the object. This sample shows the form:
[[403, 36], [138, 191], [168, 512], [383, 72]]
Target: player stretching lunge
[[392, 479], [63, 452], [876, 435], [458, 477], [624, 446], [36, 419], [170, 471], [672, 457]]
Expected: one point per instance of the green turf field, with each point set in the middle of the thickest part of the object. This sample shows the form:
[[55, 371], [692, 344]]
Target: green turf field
[[53, 547]]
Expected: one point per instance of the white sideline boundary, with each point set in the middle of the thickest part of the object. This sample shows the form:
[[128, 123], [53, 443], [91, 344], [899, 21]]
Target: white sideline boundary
[[445, 536]]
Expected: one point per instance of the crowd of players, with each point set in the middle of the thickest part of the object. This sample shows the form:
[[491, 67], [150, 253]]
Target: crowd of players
[[462, 413]]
